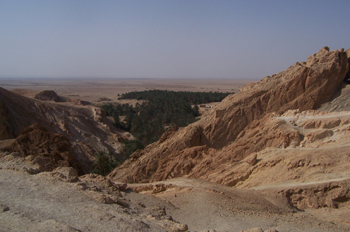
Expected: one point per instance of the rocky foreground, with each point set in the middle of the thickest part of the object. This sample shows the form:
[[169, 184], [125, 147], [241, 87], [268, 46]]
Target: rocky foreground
[[62, 201], [273, 157]]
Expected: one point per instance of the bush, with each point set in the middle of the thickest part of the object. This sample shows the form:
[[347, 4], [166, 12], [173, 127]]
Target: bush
[[131, 146], [105, 163]]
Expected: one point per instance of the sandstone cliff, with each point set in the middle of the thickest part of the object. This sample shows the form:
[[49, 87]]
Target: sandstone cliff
[[220, 147]]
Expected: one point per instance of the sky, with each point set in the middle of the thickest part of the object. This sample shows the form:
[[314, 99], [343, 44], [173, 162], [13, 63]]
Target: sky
[[218, 39]]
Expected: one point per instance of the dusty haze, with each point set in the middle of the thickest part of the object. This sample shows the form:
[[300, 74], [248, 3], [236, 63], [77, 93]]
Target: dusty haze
[[94, 89]]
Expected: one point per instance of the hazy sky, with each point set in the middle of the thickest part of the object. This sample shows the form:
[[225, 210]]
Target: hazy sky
[[166, 39]]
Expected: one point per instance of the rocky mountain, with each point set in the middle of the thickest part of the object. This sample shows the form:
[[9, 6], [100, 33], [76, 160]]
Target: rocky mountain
[[233, 141], [85, 127]]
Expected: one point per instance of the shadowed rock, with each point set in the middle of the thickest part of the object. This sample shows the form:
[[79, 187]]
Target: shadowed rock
[[47, 95], [44, 148], [86, 127]]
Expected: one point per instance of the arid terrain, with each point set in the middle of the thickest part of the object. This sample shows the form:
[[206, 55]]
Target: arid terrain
[[274, 156], [94, 89]]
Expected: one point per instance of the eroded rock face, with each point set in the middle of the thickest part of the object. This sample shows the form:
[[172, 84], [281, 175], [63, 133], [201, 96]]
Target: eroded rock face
[[303, 86], [44, 148], [331, 195], [211, 147], [86, 127]]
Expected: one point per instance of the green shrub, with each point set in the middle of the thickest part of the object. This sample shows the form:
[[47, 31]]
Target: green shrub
[[105, 163], [131, 146]]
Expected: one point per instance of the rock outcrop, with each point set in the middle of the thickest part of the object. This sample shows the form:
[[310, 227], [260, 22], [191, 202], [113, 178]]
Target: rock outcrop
[[331, 195], [86, 127], [47, 95], [50, 95], [44, 148], [218, 147]]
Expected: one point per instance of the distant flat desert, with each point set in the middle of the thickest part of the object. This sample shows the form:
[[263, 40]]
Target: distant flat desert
[[93, 89]]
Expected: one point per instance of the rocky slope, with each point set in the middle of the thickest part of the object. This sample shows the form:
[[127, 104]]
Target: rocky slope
[[211, 148], [86, 127], [287, 134], [62, 201], [45, 149]]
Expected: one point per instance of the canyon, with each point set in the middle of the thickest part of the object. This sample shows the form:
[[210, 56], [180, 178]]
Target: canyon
[[271, 157]]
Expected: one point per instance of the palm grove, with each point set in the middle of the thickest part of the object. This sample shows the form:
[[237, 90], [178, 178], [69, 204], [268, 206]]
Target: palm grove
[[161, 109]]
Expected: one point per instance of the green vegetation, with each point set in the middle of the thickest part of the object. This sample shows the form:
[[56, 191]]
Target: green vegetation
[[190, 97], [116, 111], [131, 146], [105, 163], [162, 108]]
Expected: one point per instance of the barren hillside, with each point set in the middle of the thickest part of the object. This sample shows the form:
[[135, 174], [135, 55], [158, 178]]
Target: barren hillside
[[86, 127]]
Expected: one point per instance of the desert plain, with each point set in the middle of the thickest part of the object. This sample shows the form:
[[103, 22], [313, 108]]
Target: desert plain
[[93, 89]]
